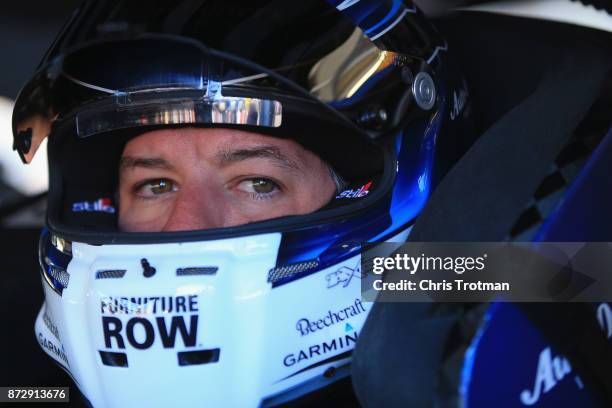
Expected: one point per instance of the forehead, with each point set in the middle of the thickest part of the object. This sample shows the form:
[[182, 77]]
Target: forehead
[[206, 142]]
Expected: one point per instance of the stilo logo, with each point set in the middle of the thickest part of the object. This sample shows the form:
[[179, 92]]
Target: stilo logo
[[100, 205], [356, 193]]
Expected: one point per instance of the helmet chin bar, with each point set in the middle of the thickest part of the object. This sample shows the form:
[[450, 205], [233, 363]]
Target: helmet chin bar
[[189, 328], [199, 330]]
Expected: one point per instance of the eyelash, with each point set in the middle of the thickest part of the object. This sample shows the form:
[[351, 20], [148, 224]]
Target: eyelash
[[137, 187], [262, 196], [254, 196]]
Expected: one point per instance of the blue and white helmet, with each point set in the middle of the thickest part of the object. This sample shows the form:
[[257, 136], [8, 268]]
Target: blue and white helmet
[[249, 315]]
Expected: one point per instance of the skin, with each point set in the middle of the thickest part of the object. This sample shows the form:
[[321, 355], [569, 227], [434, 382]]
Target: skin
[[194, 178]]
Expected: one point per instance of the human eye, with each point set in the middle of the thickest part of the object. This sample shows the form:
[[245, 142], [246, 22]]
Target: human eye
[[155, 188], [259, 187]]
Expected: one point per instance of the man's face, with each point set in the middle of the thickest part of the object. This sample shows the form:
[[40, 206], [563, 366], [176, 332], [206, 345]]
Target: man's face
[[193, 178]]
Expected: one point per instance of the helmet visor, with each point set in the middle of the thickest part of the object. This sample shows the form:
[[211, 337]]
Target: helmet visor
[[153, 80]]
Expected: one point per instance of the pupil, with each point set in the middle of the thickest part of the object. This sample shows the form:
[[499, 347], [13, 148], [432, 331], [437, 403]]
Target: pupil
[[262, 186], [161, 187]]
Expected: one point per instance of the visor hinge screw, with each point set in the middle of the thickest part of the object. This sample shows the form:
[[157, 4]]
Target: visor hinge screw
[[147, 269], [424, 91], [373, 118]]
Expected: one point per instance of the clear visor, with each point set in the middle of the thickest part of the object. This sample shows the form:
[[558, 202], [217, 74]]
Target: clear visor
[[173, 107]]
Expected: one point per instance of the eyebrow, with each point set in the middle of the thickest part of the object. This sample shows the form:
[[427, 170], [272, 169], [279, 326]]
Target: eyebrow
[[129, 163], [268, 152]]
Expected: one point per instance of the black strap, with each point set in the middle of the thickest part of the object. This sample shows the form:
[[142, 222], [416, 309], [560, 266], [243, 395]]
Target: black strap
[[484, 194]]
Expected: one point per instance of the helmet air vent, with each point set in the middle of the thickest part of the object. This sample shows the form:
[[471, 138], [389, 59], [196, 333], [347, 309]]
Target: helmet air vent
[[110, 274], [286, 271], [58, 274], [197, 270]]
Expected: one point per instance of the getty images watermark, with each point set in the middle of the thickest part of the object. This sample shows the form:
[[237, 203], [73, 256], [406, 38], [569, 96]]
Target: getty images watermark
[[475, 272]]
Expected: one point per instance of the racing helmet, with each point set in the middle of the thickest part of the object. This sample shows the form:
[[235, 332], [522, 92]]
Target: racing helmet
[[254, 314]]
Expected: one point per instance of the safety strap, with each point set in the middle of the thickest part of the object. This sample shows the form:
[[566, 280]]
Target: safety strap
[[484, 194]]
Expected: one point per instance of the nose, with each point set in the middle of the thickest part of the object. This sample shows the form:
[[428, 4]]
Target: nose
[[196, 207]]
